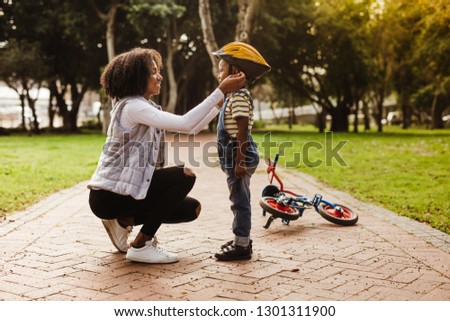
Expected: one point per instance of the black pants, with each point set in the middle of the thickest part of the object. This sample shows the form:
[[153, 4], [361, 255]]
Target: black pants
[[166, 202]]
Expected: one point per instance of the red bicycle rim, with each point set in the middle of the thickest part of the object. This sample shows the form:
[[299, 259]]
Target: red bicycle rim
[[280, 207], [344, 213]]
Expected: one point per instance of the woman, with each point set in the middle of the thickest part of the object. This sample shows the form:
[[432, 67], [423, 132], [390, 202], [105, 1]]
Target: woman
[[129, 187]]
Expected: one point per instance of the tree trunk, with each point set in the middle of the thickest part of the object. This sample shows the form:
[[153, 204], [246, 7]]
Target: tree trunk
[[22, 105], [355, 120], [51, 112], [69, 115], [339, 118], [379, 102], [366, 115], [322, 120], [22, 97], [208, 34], [292, 119], [406, 109], [35, 123], [246, 17], [277, 119], [110, 26], [77, 95], [173, 88], [58, 93], [109, 18], [32, 105], [436, 113], [291, 112], [35, 127]]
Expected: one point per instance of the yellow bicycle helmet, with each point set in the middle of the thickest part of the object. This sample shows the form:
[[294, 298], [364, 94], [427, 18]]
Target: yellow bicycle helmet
[[244, 56]]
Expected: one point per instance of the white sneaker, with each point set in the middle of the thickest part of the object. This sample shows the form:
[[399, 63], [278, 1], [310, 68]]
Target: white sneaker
[[118, 234], [151, 253]]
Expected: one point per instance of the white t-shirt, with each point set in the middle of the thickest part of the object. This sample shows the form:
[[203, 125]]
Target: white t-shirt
[[139, 111]]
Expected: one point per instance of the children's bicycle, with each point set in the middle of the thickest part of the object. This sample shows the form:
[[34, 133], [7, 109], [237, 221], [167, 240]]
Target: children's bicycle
[[289, 206]]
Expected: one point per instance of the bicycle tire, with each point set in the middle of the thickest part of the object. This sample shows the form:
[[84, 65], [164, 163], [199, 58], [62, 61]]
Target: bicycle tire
[[270, 205], [347, 218], [270, 190]]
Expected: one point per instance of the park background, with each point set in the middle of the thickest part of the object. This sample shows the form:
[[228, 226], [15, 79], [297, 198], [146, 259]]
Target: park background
[[375, 73]]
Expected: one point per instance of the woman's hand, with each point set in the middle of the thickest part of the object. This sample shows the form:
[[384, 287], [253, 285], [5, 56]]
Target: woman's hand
[[232, 83]]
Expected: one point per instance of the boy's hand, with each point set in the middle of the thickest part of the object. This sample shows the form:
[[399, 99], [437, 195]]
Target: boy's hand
[[240, 171], [219, 105]]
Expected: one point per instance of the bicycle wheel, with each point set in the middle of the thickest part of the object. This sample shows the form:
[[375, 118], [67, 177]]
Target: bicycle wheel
[[269, 204], [270, 190], [346, 217]]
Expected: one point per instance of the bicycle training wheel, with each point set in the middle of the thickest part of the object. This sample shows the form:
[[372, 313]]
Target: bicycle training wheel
[[285, 212], [345, 217]]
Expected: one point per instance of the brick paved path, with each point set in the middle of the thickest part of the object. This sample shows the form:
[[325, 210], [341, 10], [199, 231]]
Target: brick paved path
[[58, 250]]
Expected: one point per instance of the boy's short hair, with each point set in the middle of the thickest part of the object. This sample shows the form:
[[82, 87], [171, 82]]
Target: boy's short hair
[[127, 74]]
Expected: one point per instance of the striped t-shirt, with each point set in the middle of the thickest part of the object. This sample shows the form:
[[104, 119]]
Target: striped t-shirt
[[238, 105]]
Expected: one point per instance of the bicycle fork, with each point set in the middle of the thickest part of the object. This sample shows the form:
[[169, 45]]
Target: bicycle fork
[[318, 199]]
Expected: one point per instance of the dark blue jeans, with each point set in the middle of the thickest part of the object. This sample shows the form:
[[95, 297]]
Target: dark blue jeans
[[239, 189]]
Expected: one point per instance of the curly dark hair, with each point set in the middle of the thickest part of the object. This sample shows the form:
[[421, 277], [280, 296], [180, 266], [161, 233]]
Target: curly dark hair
[[127, 74]]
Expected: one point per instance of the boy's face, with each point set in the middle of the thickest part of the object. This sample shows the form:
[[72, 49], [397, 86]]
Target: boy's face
[[223, 70]]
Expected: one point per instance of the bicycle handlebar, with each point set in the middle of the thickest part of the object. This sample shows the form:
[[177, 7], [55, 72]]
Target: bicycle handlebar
[[272, 165], [275, 160]]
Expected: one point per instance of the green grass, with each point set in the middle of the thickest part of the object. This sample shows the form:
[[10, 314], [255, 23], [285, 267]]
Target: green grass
[[406, 171], [34, 167]]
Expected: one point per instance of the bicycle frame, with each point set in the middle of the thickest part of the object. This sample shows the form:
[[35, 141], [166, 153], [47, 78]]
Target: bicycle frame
[[299, 198], [271, 170]]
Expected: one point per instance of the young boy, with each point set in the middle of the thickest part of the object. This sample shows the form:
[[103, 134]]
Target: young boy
[[238, 152]]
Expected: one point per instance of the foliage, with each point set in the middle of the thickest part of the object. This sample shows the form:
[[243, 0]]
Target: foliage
[[335, 54], [325, 63], [68, 39]]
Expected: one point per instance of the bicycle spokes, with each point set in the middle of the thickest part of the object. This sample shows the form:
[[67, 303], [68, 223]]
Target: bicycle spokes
[[280, 206], [338, 211]]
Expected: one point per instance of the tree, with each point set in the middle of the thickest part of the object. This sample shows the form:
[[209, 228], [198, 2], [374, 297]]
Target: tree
[[68, 38], [23, 68], [72, 35], [108, 17], [408, 40], [317, 50], [209, 39], [433, 51], [248, 10], [168, 13], [380, 58]]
